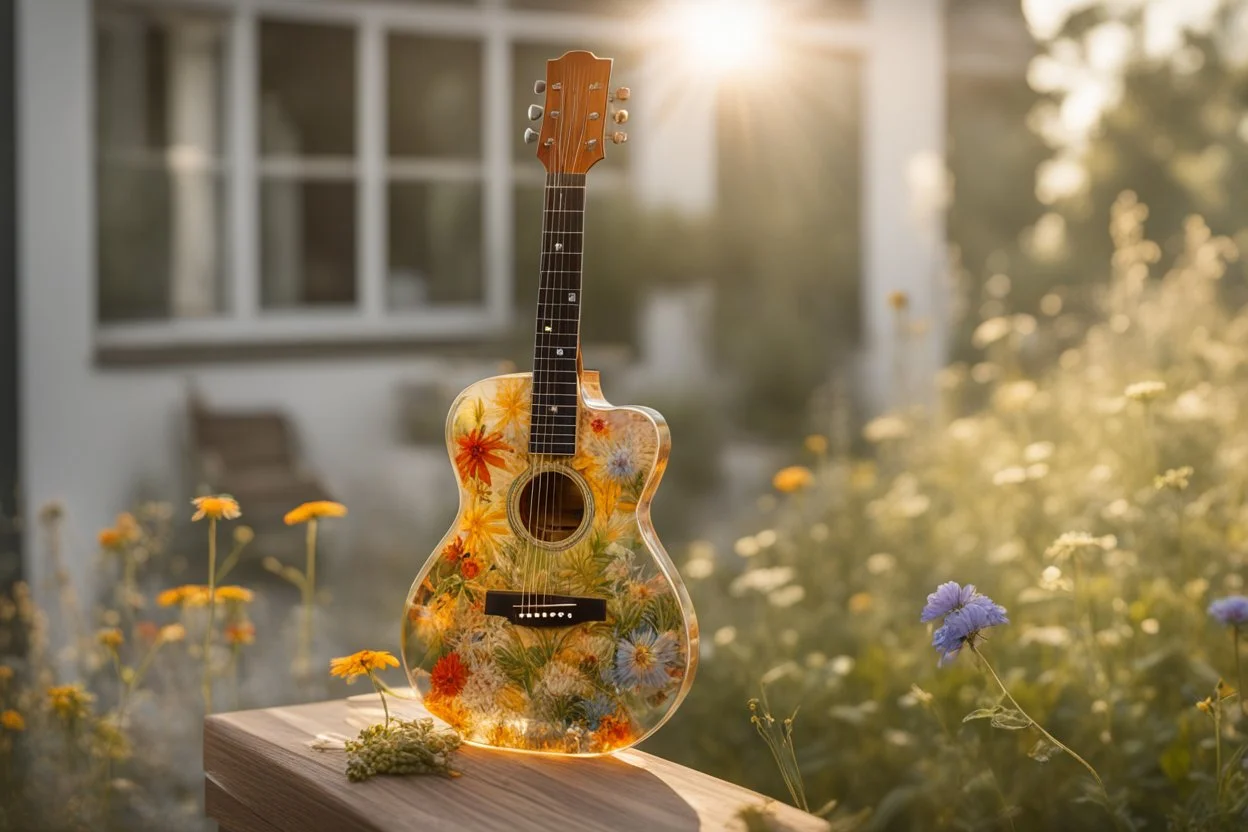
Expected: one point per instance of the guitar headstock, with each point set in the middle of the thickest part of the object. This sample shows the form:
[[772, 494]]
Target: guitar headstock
[[576, 115]]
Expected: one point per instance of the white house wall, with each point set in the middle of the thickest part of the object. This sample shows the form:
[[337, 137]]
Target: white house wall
[[93, 437]]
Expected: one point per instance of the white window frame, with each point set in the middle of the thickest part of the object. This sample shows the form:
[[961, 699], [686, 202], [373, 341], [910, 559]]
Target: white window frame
[[497, 26]]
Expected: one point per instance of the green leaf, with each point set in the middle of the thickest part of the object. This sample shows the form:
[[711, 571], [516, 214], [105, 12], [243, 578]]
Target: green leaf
[[1043, 751], [1010, 720], [981, 713]]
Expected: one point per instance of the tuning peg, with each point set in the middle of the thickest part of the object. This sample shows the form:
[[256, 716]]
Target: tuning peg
[[530, 135], [619, 137], [539, 87], [620, 116], [535, 112], [623, 93]]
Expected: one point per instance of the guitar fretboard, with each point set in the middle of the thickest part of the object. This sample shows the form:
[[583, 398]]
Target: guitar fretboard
[[557, 337]]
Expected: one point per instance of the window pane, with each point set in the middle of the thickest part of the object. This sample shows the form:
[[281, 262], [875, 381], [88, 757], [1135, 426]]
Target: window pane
[[307, 89], [435, 244], [434, 91], [307, 243], [528, 62], [160, 127]]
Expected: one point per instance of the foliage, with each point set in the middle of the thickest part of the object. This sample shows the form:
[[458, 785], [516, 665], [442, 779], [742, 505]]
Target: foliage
[[402, 746], [1101, 501]]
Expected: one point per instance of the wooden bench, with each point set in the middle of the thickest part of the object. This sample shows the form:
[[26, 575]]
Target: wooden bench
[[262, 774]]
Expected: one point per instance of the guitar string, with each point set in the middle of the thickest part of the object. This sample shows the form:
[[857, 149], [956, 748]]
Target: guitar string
[[574, 218]]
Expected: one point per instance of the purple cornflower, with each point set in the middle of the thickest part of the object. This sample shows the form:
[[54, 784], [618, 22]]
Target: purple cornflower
[[966, 612], [1231, 611]]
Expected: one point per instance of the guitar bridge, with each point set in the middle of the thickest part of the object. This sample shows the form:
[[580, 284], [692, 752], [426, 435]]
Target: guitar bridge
[[527, 609]]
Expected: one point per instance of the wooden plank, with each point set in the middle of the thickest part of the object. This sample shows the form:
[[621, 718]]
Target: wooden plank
[[264, 775]]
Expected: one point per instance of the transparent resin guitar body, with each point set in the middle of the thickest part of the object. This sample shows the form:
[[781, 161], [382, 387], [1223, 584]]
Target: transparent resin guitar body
[[596, 643]]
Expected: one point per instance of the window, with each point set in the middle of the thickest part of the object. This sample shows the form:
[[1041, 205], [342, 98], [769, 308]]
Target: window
[[160, 135], [270, 171]]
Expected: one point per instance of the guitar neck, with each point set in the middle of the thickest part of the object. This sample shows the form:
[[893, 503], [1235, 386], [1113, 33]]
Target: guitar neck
[[556, 340]]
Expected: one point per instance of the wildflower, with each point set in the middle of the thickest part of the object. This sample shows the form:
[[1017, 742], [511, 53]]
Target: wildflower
[[600, 427], [362, 663], [244, 535], [1071, 543], [171, 633], [817, 444], [967, 614], [613, 732], [1231, 611], [884, 428], [239, 634], [898, 300], [110, 637], [477, 452], [860, 602], [220, 507], [1145, 391], [69, 702], [234, 594], [6, 673], [12, 721], [449, 675], [188, 595], [314, 511], [453, 551], [469, 567], [791, 479], [642, 659], [110, 539], [406, 747], [1176, 479]]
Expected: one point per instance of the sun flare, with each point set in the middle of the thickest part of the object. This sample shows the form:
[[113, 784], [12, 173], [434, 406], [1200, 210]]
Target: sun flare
[[721, 36]]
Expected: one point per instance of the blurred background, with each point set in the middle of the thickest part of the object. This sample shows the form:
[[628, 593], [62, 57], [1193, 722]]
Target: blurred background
[[257, 246]]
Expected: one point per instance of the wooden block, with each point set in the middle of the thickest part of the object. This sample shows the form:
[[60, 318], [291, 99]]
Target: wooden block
[[262, 774]]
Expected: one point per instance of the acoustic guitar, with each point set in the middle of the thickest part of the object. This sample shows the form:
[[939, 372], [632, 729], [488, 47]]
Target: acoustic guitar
[[549, 618]]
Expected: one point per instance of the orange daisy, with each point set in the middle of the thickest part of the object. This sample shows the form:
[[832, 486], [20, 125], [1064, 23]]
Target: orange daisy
[[477, 452]]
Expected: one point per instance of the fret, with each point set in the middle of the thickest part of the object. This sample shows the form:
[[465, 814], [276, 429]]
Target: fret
[[555, 393]]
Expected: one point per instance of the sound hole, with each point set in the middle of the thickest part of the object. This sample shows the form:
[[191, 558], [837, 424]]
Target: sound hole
[[551, 507]]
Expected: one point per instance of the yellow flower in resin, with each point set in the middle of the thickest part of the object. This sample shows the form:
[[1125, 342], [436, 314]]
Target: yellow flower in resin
[[482, 523]]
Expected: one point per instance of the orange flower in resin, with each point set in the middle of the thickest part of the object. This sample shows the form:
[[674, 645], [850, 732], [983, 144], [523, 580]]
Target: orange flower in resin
[[477, 452], [453, 551], [613, 732], [448, 676], [469, 567]]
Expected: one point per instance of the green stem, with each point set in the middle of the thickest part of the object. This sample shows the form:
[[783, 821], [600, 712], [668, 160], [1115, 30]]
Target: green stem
[[1037, 725], [1239, 672], [396, 694], [1217, 731], [309, 595], [231, 560], [377, 686], [212, 609]]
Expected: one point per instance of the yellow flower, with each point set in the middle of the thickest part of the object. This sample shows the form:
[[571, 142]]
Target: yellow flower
[[817, 444], [480, 524], [111, 539], [314, 511], [236, 594], [511, 402], [1205, 705], [793, 478], [69, 701], [860, 602], [220, 507], [12, 720], [361, 664], [189, 595], [898, 300], [171, 633], [110, 637]]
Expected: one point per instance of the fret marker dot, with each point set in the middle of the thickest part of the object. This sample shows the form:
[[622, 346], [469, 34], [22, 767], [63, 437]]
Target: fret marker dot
[[559, 352], [558, 246], [554, 409], [571, 297], [546, 328]]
